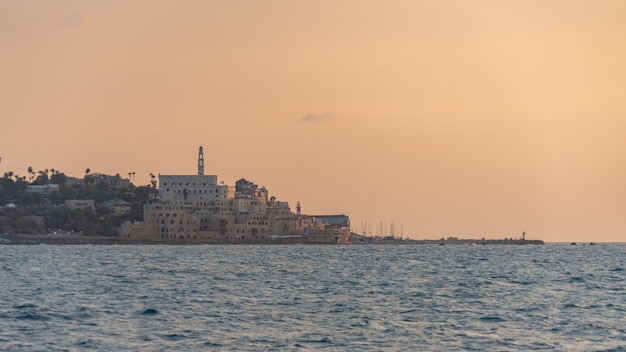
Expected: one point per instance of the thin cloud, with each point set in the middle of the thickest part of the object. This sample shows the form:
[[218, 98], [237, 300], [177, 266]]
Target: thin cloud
[[78, 18], [312, 117]]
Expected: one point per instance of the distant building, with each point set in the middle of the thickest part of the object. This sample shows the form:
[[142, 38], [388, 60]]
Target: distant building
[[80, 204], [114, 181], [117, 206], [334, 221], [43, 189]]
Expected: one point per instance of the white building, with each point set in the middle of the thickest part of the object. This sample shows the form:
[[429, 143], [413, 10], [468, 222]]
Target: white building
[[43, 189]]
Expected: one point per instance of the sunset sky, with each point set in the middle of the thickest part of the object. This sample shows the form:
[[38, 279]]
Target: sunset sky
[[451, 118]]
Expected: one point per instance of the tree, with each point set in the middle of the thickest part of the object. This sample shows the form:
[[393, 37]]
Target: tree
[[55, 198], [153, 182], [142, 194], [58, 178], [32, 198], [103, 186], [67, 192], [87, 177], [30, 174], [8, 186], [3, 196], [42, 179]]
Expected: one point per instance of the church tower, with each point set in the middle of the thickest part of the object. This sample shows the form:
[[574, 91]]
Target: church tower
[[200, 162]]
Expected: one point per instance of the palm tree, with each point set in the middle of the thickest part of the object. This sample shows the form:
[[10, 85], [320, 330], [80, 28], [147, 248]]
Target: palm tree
[[30, 174], [42, 178], [154, 184], [87, 178]]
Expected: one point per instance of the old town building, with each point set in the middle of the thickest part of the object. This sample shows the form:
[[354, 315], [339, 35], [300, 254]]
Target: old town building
[[197, 207]]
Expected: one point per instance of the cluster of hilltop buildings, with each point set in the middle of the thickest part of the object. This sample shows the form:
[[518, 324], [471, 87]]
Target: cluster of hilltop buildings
[[198, 208], [116, 206]]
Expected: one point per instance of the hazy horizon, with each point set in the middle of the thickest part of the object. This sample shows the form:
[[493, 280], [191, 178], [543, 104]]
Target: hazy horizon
[[449, 118]]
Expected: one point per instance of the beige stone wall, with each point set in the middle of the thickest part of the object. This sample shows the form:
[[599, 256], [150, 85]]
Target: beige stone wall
[[138, 230], [248, 205], [191, 189]]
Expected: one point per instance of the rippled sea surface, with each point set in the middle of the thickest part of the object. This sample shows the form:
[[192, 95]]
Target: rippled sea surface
[[298, 298]]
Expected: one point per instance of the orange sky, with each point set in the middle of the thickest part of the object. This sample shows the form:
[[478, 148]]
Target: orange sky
[[453, 118]]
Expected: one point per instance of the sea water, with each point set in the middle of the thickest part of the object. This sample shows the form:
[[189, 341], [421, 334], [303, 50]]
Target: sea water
[[307, 297]]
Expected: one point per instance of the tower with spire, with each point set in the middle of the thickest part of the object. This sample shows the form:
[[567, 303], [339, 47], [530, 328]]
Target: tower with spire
[[200, 162]]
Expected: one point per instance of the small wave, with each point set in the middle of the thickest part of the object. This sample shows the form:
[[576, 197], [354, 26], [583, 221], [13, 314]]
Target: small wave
[[523, 282], [174, 337], [492, 319], [86, 344], [619, 348], [33, 316], [321, 340], [212, 344], [25, 306], [150, 311]]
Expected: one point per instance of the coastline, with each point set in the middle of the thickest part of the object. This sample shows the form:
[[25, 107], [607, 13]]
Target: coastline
[[51, 239], [104, 240]]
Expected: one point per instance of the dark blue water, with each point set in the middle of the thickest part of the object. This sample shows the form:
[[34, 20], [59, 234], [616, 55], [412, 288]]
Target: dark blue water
[[298, 298]]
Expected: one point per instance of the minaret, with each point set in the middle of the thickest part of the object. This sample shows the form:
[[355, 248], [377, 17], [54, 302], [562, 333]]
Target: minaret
[[298, 208], [200, 162]]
